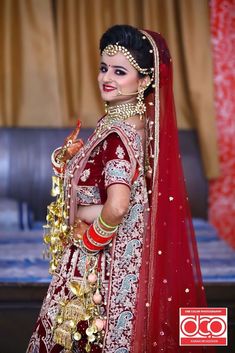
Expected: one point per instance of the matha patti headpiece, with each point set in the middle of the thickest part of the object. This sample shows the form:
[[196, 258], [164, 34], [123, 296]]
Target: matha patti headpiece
[[113, 49]]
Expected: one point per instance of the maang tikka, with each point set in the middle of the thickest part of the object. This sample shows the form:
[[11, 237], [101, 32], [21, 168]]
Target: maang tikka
[[113, 49]]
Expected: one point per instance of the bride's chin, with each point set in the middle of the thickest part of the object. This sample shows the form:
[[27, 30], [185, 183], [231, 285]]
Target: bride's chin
[[109, 97], [111, 100]]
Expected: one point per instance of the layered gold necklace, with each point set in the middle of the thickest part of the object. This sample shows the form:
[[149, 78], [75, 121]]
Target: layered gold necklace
[[120, 112]]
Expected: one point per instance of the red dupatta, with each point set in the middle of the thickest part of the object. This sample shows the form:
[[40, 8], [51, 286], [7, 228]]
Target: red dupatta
[[170, 276]]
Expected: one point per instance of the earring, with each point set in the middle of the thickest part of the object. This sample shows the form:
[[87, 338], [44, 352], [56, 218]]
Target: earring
[[140, 106]]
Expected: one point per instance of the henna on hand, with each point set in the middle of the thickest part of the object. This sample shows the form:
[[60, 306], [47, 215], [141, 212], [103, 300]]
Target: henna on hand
[[71, 145], [73, 149], [79, 229]]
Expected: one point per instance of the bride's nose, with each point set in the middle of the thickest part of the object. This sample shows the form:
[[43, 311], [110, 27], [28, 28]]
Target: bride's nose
[[108, 76]]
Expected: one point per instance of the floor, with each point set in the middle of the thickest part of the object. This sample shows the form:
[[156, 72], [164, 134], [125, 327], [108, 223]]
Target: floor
[[24, 279], [21, 256]]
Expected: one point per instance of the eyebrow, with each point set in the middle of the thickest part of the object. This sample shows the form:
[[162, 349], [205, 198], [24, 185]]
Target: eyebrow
[[114, 66]]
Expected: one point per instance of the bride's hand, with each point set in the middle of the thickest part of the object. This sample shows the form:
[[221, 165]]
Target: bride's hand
[[71, 144], [73, 149], [79, 229]]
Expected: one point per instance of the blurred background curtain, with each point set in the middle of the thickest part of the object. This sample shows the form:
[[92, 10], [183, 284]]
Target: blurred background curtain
[[51, 59], [222, 190], [29, 89]]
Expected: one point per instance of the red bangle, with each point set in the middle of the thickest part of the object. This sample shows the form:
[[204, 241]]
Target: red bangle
[[88, 244], [97, 238]]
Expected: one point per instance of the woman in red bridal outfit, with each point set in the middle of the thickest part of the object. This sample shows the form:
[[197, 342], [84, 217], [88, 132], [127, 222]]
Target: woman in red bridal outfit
[[123, 250]]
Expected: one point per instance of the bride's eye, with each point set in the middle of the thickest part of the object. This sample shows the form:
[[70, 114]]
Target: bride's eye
[[120, 72], [103, 68]]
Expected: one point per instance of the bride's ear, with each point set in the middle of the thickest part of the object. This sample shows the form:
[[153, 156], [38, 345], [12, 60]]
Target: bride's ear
[[144, 82]]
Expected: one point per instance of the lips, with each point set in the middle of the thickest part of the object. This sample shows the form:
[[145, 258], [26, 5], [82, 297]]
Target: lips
[[108, 88]]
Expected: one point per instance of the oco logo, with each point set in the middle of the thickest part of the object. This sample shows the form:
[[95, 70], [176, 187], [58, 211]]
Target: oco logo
[[203, 326]]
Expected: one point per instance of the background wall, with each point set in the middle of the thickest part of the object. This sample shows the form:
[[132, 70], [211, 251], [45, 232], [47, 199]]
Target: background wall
[[50, 58]]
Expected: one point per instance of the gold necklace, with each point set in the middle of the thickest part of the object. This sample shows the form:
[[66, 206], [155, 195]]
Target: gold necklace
[[117, 113]]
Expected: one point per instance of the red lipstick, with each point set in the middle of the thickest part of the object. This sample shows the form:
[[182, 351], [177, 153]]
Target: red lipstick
[[108, 88]]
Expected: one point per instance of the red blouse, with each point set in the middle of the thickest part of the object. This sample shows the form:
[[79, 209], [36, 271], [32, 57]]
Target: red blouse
[[108, 164]]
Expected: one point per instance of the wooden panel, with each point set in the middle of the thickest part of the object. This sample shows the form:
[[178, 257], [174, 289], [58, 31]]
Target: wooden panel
[[223, 295], [20, 305], [25, 167]]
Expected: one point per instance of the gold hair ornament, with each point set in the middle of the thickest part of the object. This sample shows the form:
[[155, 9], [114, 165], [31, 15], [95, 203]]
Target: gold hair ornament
[[113, 49]]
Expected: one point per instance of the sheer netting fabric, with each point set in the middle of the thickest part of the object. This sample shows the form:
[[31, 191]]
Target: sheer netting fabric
[[170, 275]]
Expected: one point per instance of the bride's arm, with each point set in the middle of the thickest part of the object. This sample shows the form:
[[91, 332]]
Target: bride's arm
[[117, 184], [89, 213], [117, 203], [114, 209]]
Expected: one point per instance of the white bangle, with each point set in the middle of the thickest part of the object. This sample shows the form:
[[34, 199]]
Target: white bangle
[[53, 158]]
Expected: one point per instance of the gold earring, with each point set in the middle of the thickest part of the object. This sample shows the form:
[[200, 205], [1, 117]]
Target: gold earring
[[141, 107]]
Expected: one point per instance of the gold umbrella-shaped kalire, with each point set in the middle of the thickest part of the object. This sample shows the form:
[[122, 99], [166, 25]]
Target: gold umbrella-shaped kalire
[[57, 231], [81, 317]]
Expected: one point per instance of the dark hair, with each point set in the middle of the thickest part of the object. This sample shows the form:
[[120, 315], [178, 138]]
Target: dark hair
[[132, 39]]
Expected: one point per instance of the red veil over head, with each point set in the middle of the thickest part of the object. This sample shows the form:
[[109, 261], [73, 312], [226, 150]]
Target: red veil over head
[[170, 275]]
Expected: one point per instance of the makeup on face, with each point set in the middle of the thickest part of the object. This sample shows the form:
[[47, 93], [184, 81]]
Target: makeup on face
[[118, 70], [117, 75]]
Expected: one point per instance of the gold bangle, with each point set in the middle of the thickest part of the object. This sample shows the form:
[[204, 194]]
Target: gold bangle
[[61, 154], [101, 232], [106, 225]]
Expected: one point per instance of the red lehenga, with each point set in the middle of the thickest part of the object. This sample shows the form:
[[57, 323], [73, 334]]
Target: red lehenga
[[152, 268]]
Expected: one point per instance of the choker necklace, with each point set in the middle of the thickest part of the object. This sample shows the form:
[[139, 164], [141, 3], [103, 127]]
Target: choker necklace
[[119, 112], [125, 110]]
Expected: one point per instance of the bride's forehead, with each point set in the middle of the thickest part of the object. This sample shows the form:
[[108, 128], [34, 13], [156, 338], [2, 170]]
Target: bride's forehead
[[115, 60]]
